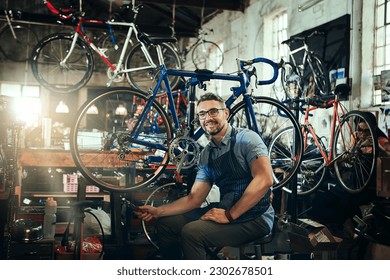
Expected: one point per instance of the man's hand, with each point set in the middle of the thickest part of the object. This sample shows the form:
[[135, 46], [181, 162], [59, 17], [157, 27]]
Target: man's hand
[[146, 212], [217, 215]]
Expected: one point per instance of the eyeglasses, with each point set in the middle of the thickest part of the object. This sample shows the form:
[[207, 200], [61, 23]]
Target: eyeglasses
[[365, 130], [213, 112]]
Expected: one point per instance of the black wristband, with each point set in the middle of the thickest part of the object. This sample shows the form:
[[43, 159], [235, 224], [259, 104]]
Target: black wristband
[[228, 215]]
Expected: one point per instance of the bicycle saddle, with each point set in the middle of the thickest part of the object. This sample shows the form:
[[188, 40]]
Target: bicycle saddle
[[155, 40], [342, 89]]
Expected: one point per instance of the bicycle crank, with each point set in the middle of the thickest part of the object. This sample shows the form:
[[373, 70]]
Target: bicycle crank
[[115, 77], [183, 152]]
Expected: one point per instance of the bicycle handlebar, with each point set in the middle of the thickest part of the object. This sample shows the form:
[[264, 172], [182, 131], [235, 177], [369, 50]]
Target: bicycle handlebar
[[62, 13], [298, 38], [275, 66]]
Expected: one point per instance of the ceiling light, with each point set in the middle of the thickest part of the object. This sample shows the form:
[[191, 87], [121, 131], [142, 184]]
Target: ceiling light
[[62, 108], [121, 110], [93, 110]]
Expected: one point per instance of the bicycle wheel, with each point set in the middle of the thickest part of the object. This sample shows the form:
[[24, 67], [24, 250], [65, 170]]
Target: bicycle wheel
[[116, 142], [207, 55], [164, 194], [355, 149], [316, 79], [55, 76], [17, 48], [144, 80], [289, 78], [312, 169], [272, 117]]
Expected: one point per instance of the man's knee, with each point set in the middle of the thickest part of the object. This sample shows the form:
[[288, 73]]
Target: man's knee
[[191, 232]]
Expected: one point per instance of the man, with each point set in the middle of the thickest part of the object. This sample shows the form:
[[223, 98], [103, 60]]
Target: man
[[236, 161]]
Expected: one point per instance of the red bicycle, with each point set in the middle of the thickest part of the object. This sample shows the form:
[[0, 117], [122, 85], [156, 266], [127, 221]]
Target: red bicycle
[[351, 151], [63, 62]]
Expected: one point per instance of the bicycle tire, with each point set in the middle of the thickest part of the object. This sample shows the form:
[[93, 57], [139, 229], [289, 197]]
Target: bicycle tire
[[201, 53], [277, 116], [19, 49], [317, 73], [310, 174], [163, 194], [289, 77], [355, 152], [48, 54], [144, 80], [104, 150]]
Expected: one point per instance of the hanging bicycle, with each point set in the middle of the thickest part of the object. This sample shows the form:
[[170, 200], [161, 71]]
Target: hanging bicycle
[[16, 40], [63, 62], [204, 53], [307, 77]]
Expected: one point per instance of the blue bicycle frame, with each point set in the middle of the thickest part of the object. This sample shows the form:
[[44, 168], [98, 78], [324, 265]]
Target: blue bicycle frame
[[197, 78]]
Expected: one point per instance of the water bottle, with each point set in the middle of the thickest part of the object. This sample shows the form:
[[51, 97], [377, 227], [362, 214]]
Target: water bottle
[[49, 220]]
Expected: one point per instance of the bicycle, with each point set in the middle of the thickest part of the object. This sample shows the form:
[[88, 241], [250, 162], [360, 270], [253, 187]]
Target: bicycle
[[307, 77], [118, 159], [201, 52], [63, 62], [16, 40], [351, 152]]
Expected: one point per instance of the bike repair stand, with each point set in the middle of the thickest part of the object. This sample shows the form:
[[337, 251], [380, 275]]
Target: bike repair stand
[[79, 215]]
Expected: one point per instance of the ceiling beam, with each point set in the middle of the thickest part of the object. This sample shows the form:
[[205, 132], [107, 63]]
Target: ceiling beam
[[233, 5]]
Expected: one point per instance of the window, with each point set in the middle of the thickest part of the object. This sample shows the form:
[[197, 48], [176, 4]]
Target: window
[[275, 24], [279, 34], [26, 102], [382, 52]]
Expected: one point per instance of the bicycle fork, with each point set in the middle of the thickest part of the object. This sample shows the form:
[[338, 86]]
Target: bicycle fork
[[63, 62], [10, 25]]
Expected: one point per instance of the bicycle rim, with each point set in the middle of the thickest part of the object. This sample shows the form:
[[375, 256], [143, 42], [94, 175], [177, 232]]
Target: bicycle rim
[[164, 194], [46, 58], [207, 55], [104, 149], [312, 169], [145, 80], [17, 49], [355, 152], [317, 79], [272, 117]]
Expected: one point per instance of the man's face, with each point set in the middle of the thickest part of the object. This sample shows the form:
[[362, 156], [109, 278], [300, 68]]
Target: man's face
[[363, 130], [212, 116]]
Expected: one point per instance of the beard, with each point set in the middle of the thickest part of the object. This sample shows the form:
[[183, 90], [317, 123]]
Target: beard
[[214, 132]]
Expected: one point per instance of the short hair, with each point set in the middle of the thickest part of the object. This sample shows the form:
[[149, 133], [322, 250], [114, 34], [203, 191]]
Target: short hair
[[211, 96]]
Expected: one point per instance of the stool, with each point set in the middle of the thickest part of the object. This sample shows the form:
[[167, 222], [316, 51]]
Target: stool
[[258, 245]]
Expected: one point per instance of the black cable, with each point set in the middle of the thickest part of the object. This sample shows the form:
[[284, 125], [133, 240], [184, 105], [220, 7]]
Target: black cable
[[101, 229]]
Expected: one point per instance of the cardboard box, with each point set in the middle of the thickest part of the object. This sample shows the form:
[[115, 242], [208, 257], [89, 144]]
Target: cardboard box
[[309, 236]]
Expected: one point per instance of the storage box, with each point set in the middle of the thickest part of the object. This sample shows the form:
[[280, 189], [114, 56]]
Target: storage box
[[309, 236]]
